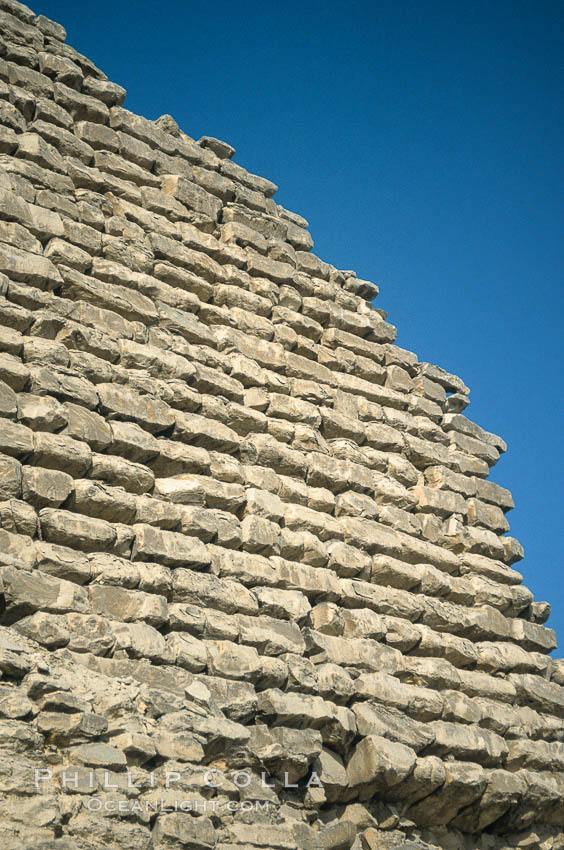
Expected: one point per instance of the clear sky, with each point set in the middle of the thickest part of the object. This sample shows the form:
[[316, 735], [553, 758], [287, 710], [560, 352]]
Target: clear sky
[[423, 141]]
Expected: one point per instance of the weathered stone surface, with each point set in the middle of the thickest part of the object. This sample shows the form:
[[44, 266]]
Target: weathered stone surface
[[184, 830], [168, 548], [377, 763], [128, 605], [46, 487], [25, 593], [55, 451], [464, 784], [242, 533]]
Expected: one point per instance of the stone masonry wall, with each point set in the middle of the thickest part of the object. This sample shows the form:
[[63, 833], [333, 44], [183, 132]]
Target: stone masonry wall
[[250, 555]]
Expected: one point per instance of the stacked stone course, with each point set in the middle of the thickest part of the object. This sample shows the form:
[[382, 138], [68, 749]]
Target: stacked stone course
[[240, 529]]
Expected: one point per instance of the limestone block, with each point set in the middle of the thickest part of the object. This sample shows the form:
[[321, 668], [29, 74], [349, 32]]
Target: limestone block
[[229, 530], [183, 830], [442, 477], [264, 450], [8, 401], [131, 305], [156, 362], [282, 604], [133, 477], [464, 784], [216, 494], [132, 442], [199, 431], [538, 693], [168, 547], [15, 440], [270, 636], [474, 683], [246, 568], [493, 493], [508, 657], [232, 661], [46, 487], [100, 500], [335, 723], [119, 402], [378, 764], [24, 593], [472, 446], [10, 478], [175, 458], [18, 517], [467, 743], [14, 375], [489, 516], [302, 546], [376, 538], [395, 573], [383, 600], [140, 640], [346, 560], [532, 636], [63, 386], [97, 135], [263, 504], [423, 453], [128, 605], [337, 424], [327, 618], [420, 703], [391, 724], [443, 503], [180, 489], [362, 623], [480, 623], [456, 650], [95, 345], [254, 835], [363, 653], [86, 426], [287, 753], [259, 535], [109, 93], [84, 533], [48, 630], [61, 252], [187, 651], [209, 591], [512, 550], [191, 195], [436, 673], [299, 518], [536, 755], [33, 147], [495, 570], [503, 791]]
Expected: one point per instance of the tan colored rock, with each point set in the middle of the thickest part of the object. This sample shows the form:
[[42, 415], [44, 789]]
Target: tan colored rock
[[46, 487], [464, 784], [378, 764]]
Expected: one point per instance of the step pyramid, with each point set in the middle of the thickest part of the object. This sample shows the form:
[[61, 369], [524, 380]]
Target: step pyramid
[[257, 591]]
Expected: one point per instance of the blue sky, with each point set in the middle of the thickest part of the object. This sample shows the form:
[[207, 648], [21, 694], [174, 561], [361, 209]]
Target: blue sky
[[423, 141]]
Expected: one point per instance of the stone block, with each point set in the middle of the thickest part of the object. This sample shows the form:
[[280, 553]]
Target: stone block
[[46, 487], [378, 764], [25, 592], [55, 451], [168, 547]]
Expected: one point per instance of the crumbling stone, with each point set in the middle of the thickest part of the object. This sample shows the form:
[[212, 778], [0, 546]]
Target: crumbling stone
[[243, 535]]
